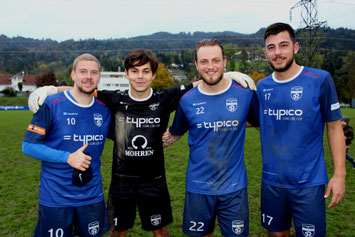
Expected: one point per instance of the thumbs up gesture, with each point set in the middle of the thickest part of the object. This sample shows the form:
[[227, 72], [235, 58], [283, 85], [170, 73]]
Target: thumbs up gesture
[[78, 160]]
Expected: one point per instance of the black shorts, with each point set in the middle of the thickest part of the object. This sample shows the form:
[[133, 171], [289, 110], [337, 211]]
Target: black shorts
[[153, 202]]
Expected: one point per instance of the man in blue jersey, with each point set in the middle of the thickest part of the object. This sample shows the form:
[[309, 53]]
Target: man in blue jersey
[[215, 113], [295, 104], [68, 134]]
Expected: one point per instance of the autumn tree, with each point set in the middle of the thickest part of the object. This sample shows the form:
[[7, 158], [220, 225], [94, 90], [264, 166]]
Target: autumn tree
[[46, 79], [256, 76], [163, 78]]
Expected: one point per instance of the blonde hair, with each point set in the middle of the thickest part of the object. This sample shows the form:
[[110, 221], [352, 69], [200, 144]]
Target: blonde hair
[[85, 57]]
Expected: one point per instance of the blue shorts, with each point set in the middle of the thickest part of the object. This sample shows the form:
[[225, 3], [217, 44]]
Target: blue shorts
[[88, 221], [306, 206], [231, 210]]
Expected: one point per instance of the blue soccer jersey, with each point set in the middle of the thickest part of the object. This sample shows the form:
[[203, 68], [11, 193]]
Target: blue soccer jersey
[[216, 124], [293, 115], [63, 124]]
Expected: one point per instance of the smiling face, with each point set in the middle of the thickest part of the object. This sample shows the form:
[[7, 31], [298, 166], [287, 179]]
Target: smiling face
[[86, 76], [140, 79], [210, 64], [280, 51]]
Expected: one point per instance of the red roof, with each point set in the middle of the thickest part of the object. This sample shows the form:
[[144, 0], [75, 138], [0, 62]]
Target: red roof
[[27, 79]]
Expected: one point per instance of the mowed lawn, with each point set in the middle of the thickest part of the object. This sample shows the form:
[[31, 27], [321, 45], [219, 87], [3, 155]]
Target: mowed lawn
[[20, 179]]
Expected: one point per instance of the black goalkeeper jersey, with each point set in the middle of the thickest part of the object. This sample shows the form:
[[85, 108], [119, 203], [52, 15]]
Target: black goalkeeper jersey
[[136, 129]]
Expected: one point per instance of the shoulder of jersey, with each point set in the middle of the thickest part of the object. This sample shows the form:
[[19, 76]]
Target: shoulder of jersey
[[56, 97], [189, 92], [314, 72], [263, 80]]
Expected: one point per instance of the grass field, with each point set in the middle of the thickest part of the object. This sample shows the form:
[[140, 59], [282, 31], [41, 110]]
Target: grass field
[[20, 179]]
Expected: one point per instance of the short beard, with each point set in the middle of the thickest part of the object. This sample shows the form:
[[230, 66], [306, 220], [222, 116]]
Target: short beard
[[86, 92], [285, 68], [212, 83]]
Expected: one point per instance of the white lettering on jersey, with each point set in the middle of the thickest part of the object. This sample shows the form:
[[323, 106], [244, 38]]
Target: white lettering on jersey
[[217, 125], [139, 153], [139, 142], [280, 113], [142, 121], [88, 138]]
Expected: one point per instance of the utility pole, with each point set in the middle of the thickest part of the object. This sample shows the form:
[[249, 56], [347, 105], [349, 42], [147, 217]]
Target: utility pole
[[309, 32]]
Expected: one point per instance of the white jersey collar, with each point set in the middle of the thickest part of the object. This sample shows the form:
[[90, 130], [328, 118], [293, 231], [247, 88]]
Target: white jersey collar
[[71, 98], [288, 80], [217, 93], [139, 100]]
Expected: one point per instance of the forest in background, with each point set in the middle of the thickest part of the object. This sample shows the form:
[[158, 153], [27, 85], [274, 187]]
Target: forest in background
[[244, 53]]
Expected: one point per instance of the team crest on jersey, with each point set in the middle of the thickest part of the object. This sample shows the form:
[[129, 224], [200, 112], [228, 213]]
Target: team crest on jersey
[[98, 119], [94, 228], [296, 93], [153, 107], [231, 104], [238, 227], [308, 230], [155, 219]]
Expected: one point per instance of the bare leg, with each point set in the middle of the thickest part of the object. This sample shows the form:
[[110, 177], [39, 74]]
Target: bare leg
[[118, 233], [163, 232], [285, 233]]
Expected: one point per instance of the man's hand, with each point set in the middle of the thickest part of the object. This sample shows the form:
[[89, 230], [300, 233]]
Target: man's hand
[[169, 139], [337, 185], [78, 160], [243, 79], [38, 97]]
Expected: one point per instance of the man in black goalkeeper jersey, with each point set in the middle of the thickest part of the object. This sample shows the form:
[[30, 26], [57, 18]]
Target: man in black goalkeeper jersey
[[140, 117]]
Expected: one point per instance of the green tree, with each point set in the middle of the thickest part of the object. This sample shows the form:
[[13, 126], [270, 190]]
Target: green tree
[[346, 78], [20, 86], [229, 52], [163, 78]]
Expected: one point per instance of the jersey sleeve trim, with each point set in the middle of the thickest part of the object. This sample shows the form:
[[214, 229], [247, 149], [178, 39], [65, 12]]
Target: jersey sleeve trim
[[36, 129]]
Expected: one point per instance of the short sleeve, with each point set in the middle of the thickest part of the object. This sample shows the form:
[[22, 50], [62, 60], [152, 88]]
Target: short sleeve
[[328, 99], [180, 123], [40, 125]]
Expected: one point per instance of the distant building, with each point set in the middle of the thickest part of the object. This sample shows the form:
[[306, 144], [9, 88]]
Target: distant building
[[177, 74], [113, 81], [28, 82]]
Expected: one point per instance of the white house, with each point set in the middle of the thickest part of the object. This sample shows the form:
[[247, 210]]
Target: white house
[[28, 82], [113, 81]]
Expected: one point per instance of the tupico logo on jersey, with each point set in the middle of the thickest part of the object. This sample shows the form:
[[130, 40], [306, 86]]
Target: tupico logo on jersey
[[98, 119], [155, 219], [95, 139], [296, 93], [238, 227], [94, 228], [154, 106], [142, 122], [308, 230], [232, 104]]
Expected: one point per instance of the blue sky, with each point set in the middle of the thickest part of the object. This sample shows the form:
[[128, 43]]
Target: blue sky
[[82, 19]]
